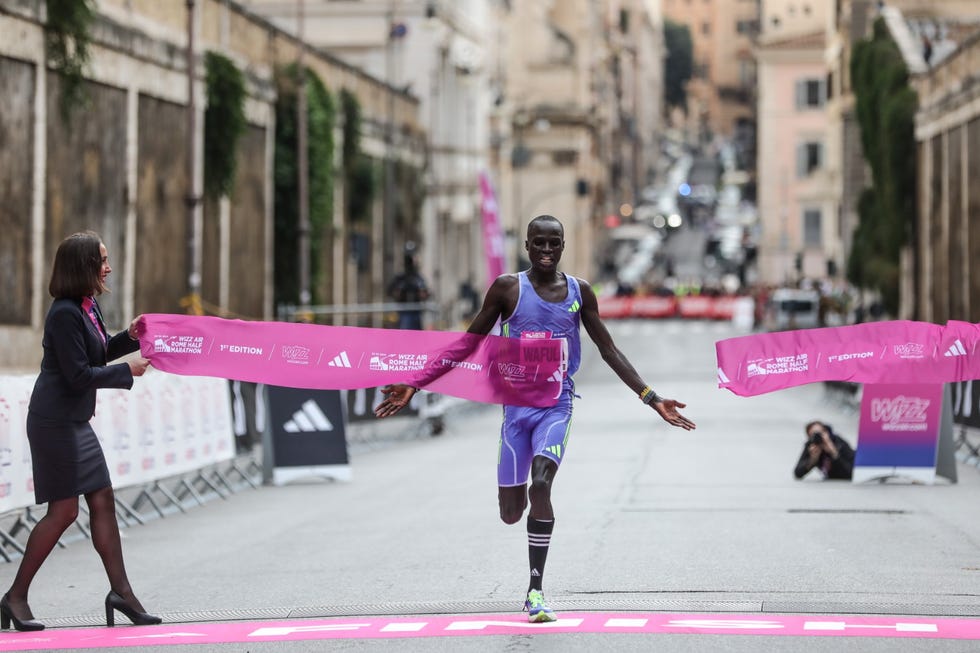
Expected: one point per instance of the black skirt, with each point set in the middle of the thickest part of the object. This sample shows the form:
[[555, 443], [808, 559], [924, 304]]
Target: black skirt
[[67, 458]]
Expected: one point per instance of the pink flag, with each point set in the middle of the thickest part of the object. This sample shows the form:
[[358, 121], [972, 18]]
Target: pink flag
[[898, 351], [491, 369], [493, 238]]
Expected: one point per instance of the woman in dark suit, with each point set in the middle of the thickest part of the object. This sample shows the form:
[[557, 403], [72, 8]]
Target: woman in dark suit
[[65, 451]]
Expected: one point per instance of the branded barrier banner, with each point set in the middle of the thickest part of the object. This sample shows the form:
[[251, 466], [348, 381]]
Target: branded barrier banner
[[16, 475], [493, 236], [700, 307], [307, 434], [165, 425], [905, 430], [899, 351], [898, 431], [492, 369]]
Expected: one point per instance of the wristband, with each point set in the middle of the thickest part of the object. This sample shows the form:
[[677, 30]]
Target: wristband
[[648, 396]]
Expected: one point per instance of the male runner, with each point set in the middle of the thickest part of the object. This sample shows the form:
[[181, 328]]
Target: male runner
[[542, 303]]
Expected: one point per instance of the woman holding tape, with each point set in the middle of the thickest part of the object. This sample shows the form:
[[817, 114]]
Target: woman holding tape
[[65, 452]]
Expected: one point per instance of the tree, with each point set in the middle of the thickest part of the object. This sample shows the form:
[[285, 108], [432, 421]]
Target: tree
[[320, 123], [885, 107], [679, 63]]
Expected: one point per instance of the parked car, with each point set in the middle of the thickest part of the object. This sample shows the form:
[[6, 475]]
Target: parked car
[[792, 308]]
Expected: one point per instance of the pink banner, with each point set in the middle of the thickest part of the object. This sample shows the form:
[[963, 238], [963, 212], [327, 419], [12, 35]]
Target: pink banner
[[489, 369], [898, 351], [493, 238]]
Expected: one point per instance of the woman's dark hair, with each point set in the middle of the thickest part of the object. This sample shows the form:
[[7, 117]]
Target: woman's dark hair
[[77, 263], [806, 428]]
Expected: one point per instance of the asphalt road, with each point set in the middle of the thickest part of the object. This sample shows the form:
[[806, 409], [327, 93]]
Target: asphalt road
[[650, 519]]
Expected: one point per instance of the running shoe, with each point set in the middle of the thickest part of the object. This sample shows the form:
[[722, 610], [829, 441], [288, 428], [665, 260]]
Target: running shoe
[[537, 610]]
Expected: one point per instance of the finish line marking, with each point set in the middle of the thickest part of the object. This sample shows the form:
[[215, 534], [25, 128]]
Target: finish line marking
[[494, 624]]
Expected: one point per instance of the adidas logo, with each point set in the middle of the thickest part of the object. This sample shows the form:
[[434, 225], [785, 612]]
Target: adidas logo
[[956, 349], [554, 449], [340, 360], [556, 377], [308, 419], [574, 307], [535, 572]]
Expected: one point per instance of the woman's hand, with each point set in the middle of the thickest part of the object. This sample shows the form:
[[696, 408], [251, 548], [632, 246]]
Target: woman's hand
[[138, 365], [136, 328], [397, 396]]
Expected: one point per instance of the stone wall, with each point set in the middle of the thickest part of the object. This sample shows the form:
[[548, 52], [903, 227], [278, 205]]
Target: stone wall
[[119, 166], [17, 83], [948, 233]]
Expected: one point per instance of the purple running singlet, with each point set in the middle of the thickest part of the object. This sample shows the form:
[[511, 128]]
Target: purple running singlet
[[529, 432]]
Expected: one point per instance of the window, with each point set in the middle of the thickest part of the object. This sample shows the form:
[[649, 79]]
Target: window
[[809, 157], [811, 228], [746, 72], [706, 28], [564, 157], [811, 93]]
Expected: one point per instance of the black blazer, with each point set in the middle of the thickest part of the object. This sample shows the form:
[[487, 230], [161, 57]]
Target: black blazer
[[74, 363]]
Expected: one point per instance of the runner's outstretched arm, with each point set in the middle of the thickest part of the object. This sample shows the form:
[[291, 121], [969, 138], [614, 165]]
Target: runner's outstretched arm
[[397, 395]]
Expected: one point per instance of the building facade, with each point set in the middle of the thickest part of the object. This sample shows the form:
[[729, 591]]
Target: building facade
[[799, 232], [721, 93], [942, 282], [122, 168]]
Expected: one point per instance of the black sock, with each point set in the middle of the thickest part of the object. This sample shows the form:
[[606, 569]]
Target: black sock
[[538, 540]]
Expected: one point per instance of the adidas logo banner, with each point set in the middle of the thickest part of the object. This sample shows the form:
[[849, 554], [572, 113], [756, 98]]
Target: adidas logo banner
[[308, 433], [898, 351], [488, 369]]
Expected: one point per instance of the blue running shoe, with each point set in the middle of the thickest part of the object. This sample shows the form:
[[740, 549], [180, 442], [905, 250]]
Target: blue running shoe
[[537, 610]]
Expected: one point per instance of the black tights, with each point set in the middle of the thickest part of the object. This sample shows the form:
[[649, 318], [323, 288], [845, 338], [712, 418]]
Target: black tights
[[45, 535]]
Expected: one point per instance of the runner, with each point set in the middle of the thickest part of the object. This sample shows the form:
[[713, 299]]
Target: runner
[[542, 303]]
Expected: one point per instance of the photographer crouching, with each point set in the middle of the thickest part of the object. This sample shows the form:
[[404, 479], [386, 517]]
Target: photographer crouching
[[826, 451]]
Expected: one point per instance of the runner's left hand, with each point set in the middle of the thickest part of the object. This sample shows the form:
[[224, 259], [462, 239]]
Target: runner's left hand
[[668, 410], [397, 396]]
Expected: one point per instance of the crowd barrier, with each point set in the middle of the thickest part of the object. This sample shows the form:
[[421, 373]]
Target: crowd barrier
[[966, 418], [706, 307], [168, 442], [175, 442]]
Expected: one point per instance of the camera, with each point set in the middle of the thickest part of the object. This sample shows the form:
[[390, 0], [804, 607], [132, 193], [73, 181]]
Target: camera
[[816, 439]]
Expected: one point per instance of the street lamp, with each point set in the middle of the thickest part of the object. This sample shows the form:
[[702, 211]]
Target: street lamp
[[396, 31], [302, 164], [193, 299]]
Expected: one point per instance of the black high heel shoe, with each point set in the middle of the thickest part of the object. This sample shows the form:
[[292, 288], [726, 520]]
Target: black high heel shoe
[[115, 602], [7, 616]]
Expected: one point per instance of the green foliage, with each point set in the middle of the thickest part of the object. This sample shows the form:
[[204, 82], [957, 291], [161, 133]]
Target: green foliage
[[224, 123], [351, 109], [679, 63], [361, 187], [67, 39], [320, 147], [410, 189], [360, 174], [885, 107]]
